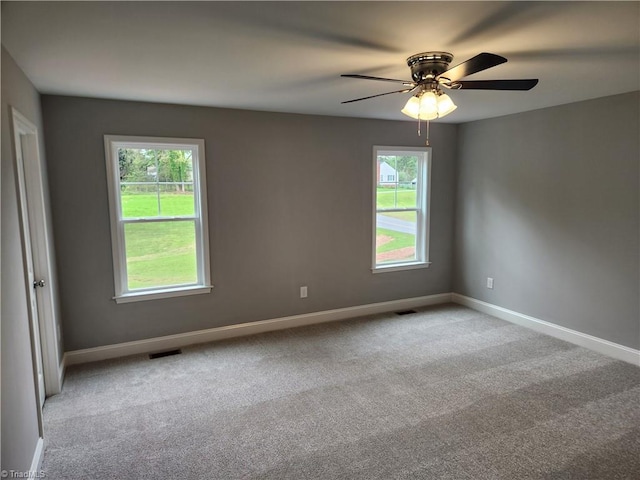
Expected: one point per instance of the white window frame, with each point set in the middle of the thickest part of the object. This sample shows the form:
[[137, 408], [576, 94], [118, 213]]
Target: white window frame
[[423, 192], [203, 285]]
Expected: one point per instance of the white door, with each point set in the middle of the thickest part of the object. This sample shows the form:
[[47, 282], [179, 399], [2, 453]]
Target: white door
[[26, 146], [32, 285]]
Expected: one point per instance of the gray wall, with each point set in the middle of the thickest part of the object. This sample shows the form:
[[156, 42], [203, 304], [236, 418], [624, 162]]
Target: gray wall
[[20, 431], [547, 204], [289, 205]]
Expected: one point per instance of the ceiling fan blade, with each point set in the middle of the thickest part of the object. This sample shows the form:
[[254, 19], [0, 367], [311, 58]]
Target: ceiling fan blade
[[366, 77], [476, 64], [379, 95], [523, 84]]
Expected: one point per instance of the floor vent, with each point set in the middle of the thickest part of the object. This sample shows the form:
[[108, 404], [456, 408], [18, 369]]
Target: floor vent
[[406, 312], [165, 354]]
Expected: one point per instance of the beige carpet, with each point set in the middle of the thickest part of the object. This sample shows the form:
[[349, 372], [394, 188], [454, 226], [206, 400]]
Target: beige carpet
[[445, 393]]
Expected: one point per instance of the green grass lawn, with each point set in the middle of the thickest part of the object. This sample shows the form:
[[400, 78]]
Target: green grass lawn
[[159, 253], [146, 205], [400, 240], [391, 198]]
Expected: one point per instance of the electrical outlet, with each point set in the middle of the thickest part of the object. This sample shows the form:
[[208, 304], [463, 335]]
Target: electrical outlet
[[489, 282], [303, 292]]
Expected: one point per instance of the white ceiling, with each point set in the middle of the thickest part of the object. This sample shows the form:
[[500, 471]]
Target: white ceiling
[[288, 56]]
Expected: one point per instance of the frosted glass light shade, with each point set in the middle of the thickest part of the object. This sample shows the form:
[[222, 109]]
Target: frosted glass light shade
[[424, 107], [429, 106], [412, 107], [445, 105]]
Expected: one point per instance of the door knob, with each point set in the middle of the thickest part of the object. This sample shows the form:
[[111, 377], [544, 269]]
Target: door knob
[[39, 283]]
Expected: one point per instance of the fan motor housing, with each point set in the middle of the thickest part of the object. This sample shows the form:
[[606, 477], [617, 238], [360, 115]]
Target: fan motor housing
[[428, 65]]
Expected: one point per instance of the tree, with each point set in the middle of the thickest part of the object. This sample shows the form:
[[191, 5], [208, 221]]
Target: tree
[[153, 166], [136, 165], [407, 167], [175, 166]]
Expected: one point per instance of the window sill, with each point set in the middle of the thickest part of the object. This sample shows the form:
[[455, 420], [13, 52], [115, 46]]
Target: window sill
[[159, 294], [396, 267]]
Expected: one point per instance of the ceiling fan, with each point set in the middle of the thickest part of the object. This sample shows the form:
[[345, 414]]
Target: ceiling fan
[[430, 72]]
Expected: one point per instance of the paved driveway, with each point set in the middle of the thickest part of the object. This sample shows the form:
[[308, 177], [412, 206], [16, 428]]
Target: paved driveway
[[395, 224]]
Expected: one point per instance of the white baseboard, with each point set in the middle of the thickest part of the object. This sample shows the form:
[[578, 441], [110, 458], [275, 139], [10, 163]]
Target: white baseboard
[[231, 331], [600, 345], [617, 351], [38, 455]]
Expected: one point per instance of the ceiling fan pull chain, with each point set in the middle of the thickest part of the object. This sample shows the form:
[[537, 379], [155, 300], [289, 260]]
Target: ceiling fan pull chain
[[428, 134], [418, 125]]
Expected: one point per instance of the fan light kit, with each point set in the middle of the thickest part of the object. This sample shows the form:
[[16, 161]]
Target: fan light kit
[[429, 106], [430, 72]]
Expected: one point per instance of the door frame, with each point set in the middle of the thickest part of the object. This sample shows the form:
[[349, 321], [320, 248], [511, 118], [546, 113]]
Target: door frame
[[34, 222]]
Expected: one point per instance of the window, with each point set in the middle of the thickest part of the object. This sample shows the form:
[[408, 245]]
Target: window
[[158, 207], [401, 208]]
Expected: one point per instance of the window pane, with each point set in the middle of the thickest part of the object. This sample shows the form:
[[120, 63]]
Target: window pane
[[396, 237], [138, 182], [386, 185], [177, 200], [397, 178], [156, 182], [160, 254], [175, 177]]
